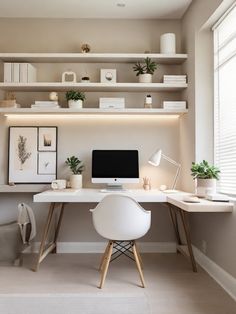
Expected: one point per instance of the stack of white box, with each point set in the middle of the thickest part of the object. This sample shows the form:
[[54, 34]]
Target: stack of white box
[[111, 103], [175, 79], [19, 73]]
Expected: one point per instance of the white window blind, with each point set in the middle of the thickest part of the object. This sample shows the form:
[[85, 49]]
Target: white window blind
[[225, 101]]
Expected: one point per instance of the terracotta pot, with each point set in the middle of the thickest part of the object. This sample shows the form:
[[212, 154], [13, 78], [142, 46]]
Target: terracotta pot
[[204, 187]]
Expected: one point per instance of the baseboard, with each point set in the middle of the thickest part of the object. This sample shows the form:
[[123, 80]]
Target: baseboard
[[224, 279], [99, 247]]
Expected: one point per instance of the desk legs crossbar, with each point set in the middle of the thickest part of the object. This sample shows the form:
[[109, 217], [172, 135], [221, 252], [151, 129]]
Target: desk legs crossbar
[[44, 249], [185, 223]]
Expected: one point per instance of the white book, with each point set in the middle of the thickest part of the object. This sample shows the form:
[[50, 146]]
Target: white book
[[7, 72], [175, 76], [174, 104], [27, 73], [32, 73], [16, 72], [46, 102]]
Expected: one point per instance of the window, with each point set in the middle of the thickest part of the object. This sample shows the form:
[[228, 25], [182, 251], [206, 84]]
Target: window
[[225, 101]]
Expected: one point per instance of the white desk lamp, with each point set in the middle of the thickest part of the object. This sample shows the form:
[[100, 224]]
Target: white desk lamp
[[155, 161]]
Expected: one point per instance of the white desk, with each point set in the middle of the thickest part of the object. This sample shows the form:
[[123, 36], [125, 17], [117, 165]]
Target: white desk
[[174, 203]]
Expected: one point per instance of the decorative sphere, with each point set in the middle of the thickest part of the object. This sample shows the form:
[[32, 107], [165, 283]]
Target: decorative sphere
[[53, 96]]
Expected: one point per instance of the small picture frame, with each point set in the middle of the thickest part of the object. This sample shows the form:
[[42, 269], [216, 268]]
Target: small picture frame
[[47, 139], [108, 76], [32, 156]]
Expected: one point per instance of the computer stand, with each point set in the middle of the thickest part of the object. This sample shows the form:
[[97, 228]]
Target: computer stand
[[114, 188]]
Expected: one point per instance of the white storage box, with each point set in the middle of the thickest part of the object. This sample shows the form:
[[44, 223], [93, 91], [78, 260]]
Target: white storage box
[[174, 105], [114, 103]]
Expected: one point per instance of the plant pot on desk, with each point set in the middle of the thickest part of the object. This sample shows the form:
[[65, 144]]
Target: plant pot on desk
[[204, 187], [76, 181], [145, 78]]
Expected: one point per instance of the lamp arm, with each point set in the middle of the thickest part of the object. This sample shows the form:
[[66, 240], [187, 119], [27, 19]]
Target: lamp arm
[[176, 177], [170, 160]]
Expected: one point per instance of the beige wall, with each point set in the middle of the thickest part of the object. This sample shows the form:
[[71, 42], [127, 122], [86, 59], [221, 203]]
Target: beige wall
[[218, 230], [80, 136]]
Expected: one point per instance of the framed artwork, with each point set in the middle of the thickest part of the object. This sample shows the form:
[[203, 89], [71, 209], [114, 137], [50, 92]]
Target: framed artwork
[[108, 76], [47, 139], [32, 154]]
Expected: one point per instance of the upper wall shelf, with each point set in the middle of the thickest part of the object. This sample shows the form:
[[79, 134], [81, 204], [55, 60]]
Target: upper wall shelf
[[92, 57], [92, 111], [96, 87]]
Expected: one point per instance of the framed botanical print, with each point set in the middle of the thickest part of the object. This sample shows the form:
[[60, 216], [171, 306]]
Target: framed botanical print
[[32, 154]]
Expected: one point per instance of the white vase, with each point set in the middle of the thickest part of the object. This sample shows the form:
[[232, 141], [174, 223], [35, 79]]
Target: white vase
[[167, 43], [75, 104], [204, 187], [145, 78], [76, 181]]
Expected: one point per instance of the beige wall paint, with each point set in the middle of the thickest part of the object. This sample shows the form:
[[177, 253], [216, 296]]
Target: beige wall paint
[[80, 136], [218, 230]]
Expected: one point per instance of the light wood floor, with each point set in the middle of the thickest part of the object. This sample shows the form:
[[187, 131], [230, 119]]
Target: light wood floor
[[172, 287]]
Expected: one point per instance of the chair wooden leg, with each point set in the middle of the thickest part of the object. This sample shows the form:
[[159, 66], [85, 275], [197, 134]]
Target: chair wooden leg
[[138, 264], [104, 256], [106, 264], [139, 257]]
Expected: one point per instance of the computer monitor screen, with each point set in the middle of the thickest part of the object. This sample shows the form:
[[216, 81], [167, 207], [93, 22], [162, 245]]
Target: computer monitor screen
[[115, 166]]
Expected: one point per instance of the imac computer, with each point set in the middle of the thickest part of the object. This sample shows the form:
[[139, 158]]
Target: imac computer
[[115, 167]]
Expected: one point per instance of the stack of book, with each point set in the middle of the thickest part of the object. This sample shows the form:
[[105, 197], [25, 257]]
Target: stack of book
[[45, 104], [19, 73], [175, 105], [175, 79]]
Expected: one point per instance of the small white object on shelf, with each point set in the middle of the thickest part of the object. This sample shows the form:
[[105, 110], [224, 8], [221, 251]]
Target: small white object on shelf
[[28, 73], [108, 76], [68, 76], [174, 104], [111, 103], [167, 43], [7, 72]]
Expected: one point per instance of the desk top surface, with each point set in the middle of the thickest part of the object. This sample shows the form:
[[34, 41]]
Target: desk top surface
[[140, 195]]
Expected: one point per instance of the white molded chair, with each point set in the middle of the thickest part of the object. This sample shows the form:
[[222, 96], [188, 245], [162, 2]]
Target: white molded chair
[[121, 220]]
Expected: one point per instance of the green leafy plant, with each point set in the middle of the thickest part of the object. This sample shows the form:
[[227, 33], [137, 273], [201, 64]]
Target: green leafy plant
[[148, 67], [75, 165], [203, 170], [75, 95]]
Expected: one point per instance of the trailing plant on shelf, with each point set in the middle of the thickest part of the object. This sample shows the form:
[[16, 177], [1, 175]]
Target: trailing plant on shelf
[[145, 70], [203, 170], [205, 176], [75, 95], [77, 167]]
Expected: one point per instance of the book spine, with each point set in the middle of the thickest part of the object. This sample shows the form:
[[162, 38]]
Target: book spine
[[23, 73], [16, 72], [32, 73], [7, 72]]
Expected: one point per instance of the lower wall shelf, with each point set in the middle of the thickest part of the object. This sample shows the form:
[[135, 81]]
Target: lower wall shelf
[[24, 188]]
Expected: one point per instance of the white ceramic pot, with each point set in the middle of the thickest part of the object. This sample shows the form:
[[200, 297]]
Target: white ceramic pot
[[75, 104], [205, 186], [167, 43], [145, 78], [76, 181]]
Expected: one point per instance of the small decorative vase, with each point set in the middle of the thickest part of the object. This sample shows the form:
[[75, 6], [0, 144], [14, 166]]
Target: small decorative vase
[[76, 181], [75, 104], [145, 78], [204, 187]]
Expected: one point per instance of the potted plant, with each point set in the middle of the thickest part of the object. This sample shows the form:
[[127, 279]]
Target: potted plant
[[77, 167], [205, 176], [75, 99], [145, 71]]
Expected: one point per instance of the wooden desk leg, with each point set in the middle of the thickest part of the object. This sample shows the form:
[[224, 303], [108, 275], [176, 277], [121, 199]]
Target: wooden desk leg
[[174, 220], [58, 227], [42, 252], [184, 218]]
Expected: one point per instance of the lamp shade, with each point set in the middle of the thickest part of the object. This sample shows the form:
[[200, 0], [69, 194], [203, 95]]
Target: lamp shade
[[155, 158]]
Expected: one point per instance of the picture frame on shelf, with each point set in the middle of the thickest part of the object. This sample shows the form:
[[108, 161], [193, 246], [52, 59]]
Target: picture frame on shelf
[[108, 75], [27, 162]]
